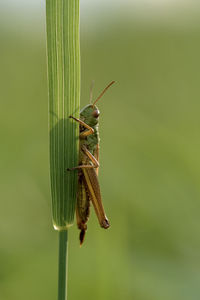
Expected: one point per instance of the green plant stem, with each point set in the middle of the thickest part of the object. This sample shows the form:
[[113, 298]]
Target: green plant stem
[[63, 53], [62, 265]]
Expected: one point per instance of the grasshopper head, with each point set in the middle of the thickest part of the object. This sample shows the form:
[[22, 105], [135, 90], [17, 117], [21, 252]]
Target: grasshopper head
[[90, 115]]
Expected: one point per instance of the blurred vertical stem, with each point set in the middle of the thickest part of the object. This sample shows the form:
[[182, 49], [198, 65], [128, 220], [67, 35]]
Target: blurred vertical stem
[[63, 52], [62, 265]]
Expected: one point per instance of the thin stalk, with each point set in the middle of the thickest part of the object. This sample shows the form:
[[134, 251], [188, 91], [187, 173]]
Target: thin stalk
[[62, 265]]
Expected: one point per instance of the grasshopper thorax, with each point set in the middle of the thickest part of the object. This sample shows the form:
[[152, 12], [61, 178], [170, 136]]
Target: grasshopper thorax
[[90, 115]]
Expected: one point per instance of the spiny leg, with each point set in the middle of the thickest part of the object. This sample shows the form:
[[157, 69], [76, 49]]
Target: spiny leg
[[91, 157], [96, 155]]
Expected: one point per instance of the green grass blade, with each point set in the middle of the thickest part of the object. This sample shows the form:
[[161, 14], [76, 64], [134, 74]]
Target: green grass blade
[[63, 51]]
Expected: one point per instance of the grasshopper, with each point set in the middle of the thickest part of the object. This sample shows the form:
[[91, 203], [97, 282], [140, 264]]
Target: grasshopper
[[88, 185]]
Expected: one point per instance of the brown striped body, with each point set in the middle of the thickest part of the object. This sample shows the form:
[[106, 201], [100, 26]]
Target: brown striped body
[[89, 190]]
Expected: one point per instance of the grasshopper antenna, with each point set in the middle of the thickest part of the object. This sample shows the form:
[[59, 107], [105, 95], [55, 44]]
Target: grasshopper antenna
[[91, 90], [103, 92]]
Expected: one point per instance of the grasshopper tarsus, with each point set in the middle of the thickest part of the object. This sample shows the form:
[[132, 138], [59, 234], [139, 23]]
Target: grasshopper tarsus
[[105, 224], [70, 169]]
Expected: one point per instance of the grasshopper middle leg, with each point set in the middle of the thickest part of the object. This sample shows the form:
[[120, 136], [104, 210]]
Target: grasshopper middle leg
[[91, 157]]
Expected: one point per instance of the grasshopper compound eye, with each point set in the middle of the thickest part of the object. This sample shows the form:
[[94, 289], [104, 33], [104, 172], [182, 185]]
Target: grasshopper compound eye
[[96, 113]]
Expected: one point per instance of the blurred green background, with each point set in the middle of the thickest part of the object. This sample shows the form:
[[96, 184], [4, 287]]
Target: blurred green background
[[150, 163]]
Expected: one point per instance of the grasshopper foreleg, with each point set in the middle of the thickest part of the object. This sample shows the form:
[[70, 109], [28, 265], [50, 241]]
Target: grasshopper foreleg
[[84, 133]]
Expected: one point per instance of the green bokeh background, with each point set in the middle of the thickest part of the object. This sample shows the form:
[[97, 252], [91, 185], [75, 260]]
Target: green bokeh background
[[149, 175]]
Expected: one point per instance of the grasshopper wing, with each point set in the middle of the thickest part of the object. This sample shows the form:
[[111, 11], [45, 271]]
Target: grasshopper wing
[[95, 196]]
